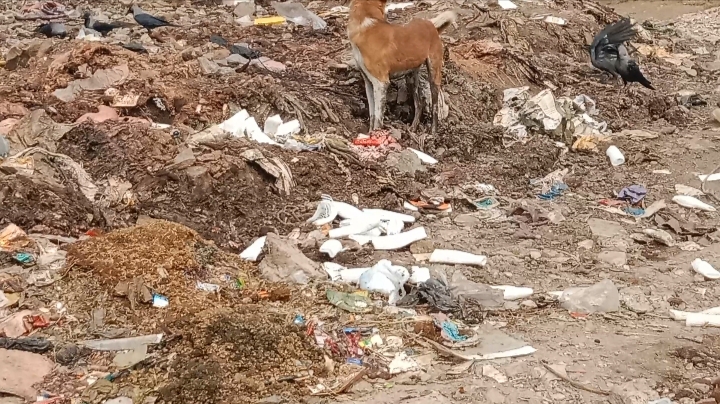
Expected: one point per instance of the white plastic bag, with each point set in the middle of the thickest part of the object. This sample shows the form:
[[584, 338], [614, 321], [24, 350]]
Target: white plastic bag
[[387, 279], [457, 257]]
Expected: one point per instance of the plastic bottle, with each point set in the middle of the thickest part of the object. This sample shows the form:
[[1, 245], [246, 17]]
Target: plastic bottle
[[615, 155]]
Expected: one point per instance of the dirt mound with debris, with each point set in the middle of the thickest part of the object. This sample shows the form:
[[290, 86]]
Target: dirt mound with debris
[[40, 206], [241, 355]]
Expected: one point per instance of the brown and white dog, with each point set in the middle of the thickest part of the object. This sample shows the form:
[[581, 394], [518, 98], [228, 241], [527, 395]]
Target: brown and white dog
[[383, 50]]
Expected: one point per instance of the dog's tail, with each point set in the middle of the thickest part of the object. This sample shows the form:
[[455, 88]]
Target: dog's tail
[[444, 19]]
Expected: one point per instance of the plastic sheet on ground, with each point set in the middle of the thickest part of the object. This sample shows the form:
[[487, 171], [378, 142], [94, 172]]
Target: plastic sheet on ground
[[102, 79], [562, 118], [36, 129]]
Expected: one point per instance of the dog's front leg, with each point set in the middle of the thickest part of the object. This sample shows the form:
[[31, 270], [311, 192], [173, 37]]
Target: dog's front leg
[[370, 99], [380, 96]]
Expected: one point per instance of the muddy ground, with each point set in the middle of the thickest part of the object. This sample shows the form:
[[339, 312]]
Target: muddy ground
[[243, 344]]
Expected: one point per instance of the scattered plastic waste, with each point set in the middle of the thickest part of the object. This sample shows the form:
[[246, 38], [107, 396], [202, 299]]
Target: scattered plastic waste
[[339, 273], [409, 206], [663, 400], [331, 247], [24, 258], [391, 227], [457, 257], [554, 20], [705, 269], [352, 302], [711, 177], [360, 225], [29, 344], [419, 274], [402, 363], [660, 236], [514, 292], [486, 203], [272, 20], [692, 203], [396, 241], [272, 123], [382, 214], [298, 14], [122, 344], [423, 157], [683, 315], [398, 6], [385, 278], [160, 301], [325, 212], [702, 320], [299, 319], [207, 287], [602, 297], [254, 250], [556, 190], [634, 211], [449, 330], [689, 191], [633, 194], [507, 5], [615, 155]]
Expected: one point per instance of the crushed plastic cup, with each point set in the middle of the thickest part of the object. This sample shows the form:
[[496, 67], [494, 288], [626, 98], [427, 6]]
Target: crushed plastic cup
[[692, 203], [615, 155], [419, 274], [331, 247], [440, 256], [705, 269]]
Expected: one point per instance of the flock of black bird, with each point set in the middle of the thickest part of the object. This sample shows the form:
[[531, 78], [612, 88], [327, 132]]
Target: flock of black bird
[[607, 51], [57, 29]]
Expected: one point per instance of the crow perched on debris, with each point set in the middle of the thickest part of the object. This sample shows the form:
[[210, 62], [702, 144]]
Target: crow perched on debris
[[52, 29], [99, 26], [608, 53], [146, 20]]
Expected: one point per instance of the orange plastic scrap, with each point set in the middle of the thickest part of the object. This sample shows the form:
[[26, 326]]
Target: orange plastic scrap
[[13, 238], [376, 138]]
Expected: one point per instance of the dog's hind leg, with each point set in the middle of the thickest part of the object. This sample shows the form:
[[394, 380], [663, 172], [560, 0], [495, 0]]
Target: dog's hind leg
[[419, 105], [370, 99], [380, 97], [434, 68]]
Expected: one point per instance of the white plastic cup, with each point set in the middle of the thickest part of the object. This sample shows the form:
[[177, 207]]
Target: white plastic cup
[[615, 155]]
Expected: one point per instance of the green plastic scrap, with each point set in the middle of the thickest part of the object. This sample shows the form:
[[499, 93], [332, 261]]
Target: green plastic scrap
[[352, 302]]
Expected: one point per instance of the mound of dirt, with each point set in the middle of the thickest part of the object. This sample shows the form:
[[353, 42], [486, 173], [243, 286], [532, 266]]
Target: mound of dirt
[[41, 206], [241, 355], [140, 251]]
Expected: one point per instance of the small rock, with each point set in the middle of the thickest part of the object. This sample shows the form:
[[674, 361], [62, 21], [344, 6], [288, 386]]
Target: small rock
[[701, 387], [273, 400], [535, 254], [189, 54], [396, 133], [68, 354], [614, 258], [668, 130], [406, 162], [146, 40], [528, 304], [495, 396], [467, 219], [511, 305], [605, 228], [602, 297], [224, 70], [272, 65], [244, 8], [185, 159], [236, 60], [635, 300], [716, 114], [422, 247], [218, 54], [196, 172], [208, 66], [586, 244]]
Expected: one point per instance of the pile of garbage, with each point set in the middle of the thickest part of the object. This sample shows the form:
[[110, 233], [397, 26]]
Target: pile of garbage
[[563, 118]]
